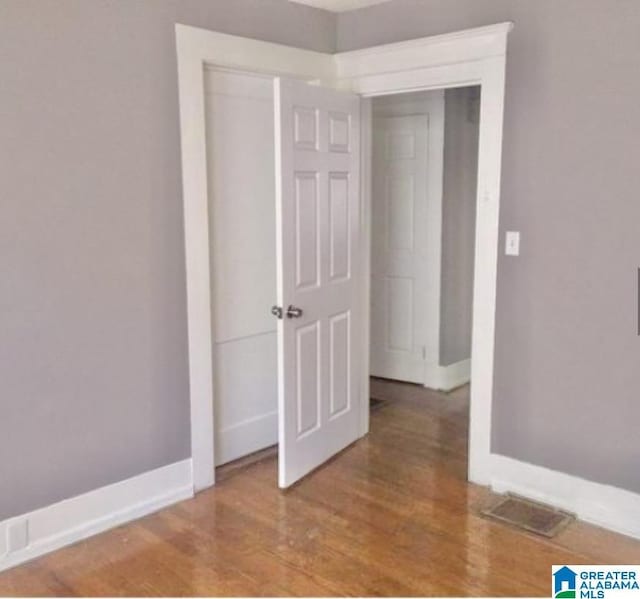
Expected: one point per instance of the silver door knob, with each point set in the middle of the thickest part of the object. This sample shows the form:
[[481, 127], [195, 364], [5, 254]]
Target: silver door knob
[[293, 312], [276, 311]]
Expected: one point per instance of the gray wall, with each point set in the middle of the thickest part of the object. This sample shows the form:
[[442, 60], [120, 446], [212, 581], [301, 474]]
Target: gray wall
[[93, 336], [92, 306], [460, 176], [567, 359]]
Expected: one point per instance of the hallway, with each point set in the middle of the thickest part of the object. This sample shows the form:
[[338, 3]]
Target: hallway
[[392, 515]]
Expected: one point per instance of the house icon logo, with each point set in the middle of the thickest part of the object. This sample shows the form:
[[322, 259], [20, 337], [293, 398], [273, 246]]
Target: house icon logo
[[564, 583]]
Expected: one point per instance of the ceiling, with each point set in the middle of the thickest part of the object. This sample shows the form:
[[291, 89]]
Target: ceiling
[[339, 5]]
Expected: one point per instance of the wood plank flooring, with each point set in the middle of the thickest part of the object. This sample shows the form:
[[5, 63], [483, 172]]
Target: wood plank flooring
[[392, 515]]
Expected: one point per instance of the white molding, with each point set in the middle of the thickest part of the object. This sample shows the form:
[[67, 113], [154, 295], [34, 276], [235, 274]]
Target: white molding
[[436, 50], [446, 378], [233, 52], [339, 5], [366, 156], [259, 432], [603, 505], [197, 48], [74, 519], [435, 196], [471, 57]]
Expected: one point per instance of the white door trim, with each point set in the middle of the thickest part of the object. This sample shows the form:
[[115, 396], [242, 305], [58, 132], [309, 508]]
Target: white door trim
[[471, 57], [435, 192], [195, 49]]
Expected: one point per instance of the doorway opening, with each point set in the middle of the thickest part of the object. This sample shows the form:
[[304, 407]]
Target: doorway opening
[[423, 213], [424, 149]]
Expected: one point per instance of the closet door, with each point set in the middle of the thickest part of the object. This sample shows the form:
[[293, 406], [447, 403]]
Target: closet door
[[242, 223]]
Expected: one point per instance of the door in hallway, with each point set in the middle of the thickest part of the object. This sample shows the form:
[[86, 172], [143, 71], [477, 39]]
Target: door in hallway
[[401, 249]]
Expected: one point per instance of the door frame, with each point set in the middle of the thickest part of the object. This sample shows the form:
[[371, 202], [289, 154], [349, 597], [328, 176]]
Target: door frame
[[197, 48], [470, 57], [461, 59]]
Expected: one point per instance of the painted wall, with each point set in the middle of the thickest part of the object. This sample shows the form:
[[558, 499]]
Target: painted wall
[[566, 373], [460, 176], [93, 335]]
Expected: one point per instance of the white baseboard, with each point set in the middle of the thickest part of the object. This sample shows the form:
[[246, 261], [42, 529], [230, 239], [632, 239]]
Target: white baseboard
[[609, 507], [446, 378], [246, 437], [74, 519]]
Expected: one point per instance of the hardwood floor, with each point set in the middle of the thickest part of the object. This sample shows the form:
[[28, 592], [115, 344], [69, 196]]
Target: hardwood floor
[[392, 515]]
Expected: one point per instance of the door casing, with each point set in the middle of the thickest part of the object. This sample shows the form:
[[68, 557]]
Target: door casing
[[470, 57]]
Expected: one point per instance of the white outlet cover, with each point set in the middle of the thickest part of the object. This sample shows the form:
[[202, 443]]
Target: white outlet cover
[[512, 243]]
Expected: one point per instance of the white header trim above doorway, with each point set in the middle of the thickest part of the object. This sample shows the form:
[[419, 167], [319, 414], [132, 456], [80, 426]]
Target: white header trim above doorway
[[436, 50]]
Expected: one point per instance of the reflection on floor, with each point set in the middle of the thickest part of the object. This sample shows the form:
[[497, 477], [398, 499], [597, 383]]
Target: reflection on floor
[[392, 515]]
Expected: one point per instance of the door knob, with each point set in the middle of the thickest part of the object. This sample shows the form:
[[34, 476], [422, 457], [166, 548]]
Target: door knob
[[276, 311], [293, 312]]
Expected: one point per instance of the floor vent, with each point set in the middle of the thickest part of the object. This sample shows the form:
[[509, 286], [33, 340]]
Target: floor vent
[[529, 515]]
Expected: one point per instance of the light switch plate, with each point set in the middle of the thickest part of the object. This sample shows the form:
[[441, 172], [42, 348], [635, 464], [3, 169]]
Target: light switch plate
[[512, 243]]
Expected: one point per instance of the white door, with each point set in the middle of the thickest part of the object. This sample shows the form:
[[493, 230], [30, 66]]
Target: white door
[[242, 223], [318, 227], [400, 290]]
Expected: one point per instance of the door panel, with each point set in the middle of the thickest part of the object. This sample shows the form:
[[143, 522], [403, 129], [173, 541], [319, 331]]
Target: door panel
[[339, 356], [339, 241], [400, 206], [400, 314], [318, 224], [307, 234], [308, 368]]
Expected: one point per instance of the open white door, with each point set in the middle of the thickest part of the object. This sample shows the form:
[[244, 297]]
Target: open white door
[[318, 227]]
